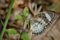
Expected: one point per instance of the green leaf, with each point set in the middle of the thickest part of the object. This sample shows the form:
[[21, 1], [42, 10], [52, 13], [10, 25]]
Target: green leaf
[[19, 17], [24, 36], [11, 31], [25, 11]]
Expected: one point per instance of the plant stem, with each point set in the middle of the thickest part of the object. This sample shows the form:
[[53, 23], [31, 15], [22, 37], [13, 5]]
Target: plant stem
[[8, 37], [2, 22], [7, 18]]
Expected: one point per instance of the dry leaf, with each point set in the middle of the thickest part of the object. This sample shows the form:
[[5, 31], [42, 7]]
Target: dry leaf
[[17, 2]]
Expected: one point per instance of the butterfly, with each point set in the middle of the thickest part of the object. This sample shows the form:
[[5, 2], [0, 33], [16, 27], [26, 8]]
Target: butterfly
[[47, 18]]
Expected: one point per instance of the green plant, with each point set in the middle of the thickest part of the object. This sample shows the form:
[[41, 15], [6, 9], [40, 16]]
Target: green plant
[[24, 36], [25, 11], [11, 31], [25, 14], [19, 17], [6, 20]]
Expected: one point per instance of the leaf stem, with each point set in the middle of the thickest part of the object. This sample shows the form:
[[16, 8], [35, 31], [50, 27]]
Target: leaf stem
[[7, 18]]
